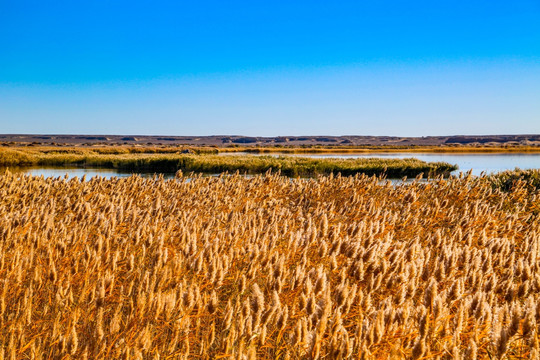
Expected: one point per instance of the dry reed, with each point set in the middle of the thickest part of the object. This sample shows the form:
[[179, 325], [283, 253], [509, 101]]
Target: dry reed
[[267, 267]]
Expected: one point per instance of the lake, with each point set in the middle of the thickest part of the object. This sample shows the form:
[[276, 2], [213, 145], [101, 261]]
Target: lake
[[478, 163]]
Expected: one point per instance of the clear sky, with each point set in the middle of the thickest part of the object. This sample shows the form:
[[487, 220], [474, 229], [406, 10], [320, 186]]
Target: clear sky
[[405, 68]]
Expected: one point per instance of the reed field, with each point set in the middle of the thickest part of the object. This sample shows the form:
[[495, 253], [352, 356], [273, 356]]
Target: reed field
[[269, 267]]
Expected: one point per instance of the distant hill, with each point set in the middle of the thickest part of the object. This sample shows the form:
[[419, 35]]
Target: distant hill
[[229, 140]]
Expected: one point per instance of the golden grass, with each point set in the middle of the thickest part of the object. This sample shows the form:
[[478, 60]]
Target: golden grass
[[268, 267]]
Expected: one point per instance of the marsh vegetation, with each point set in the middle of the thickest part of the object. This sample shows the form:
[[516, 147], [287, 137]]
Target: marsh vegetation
[[269, 267], [202, 162]]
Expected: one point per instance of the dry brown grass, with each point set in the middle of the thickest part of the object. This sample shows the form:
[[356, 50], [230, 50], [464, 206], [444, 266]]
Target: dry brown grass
[[267, 267]]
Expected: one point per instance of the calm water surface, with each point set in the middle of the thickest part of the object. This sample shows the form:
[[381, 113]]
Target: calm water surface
[[477, 163]]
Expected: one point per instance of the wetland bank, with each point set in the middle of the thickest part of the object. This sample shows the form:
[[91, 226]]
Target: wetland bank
[[269, 267], [170, 160], [266, 266]]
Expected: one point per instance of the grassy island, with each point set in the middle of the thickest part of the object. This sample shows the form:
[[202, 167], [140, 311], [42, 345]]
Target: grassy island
[[142, 162]]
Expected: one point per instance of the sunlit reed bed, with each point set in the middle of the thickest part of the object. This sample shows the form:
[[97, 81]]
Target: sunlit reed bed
[[268, 267], [208, 163]]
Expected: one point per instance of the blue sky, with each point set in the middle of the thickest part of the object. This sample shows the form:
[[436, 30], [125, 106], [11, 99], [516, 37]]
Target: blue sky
[[405, 68]]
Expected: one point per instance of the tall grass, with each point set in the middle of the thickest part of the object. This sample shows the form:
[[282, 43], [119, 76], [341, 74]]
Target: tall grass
[[268, 268]]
